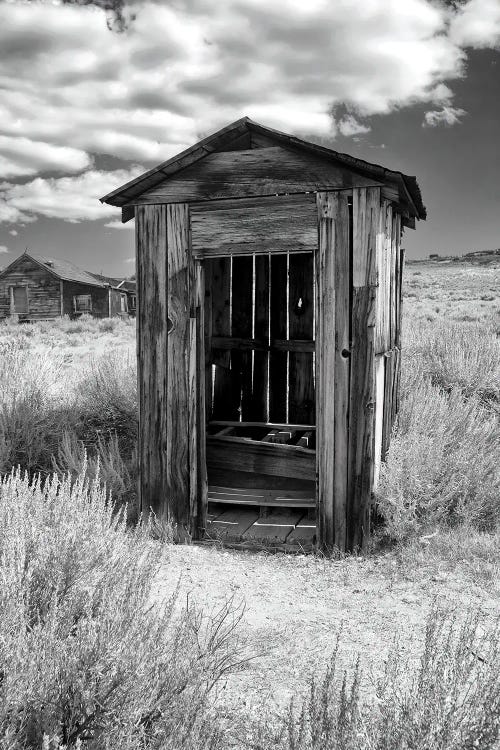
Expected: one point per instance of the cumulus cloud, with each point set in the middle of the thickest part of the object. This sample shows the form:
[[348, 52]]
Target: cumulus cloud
[[444, 116], [13, 232], [186, 69], [4, 249], [119, 225], [20, 156], [72, 199], [348, 125], [71, 89], [477, 24]]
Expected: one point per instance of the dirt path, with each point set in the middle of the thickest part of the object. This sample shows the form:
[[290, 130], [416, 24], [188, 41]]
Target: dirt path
[[296, 605]]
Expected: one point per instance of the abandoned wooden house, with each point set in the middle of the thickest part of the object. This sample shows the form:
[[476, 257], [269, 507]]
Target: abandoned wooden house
[[129, 286], [38, 288], [269, 318]]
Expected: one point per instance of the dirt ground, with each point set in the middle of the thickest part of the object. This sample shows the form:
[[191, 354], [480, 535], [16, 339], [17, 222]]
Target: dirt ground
[[296, 605]]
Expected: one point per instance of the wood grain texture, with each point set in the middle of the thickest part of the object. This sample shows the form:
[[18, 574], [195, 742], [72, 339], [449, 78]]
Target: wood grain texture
[[240, 454], [379, 367], [268, 227], [241, 325], [220, 294], [332, 368], [382, 319], [179, 345], [252, 172], [277, 359], [301, 399], [152, 355], [366, 209], [260, 379]]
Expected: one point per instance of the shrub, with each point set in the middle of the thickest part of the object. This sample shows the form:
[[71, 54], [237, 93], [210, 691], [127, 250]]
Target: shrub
[[105, 464], [448, 700], [441, 465], [85, 659]]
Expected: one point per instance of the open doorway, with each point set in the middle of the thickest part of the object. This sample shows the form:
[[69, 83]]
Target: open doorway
[[259, 381]]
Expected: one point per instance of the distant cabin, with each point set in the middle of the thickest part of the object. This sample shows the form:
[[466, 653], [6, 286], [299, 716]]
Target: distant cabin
[[130, 288], [33, 288]]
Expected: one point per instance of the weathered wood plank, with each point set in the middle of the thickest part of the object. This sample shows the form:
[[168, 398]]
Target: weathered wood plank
[[382, 334], [259, 405], [252, 172], [301, 406], [240, 454], [379, 417], [199, 500], [178, 344], [366, 209], [220, 291], [264, 497], [241, 325], [304, 534], [278, 361], [332, 367], [232, 524], [282, 345], [273, 228], [152, 354], [274, 528]]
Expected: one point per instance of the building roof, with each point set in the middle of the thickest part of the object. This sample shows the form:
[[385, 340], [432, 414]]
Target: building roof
[[128, 285], [67, 271], [222, 139]]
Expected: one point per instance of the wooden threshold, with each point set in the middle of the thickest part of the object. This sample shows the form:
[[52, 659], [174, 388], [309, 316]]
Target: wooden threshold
[[261, 497]]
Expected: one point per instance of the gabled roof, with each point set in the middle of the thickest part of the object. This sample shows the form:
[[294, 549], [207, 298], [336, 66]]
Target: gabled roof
[[64, 270], [226, 137], [128, 285], [107, 280]]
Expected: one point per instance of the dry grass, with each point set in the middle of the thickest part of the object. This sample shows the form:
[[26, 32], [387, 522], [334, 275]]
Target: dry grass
[[448, 699], [85, 661]]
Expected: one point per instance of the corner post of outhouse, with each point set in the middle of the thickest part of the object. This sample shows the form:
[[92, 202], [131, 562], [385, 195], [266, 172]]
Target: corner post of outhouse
[[362, 400], [168, 331], [332, 367]]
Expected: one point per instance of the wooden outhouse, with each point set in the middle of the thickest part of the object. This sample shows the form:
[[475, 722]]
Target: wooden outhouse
[[269, 316]]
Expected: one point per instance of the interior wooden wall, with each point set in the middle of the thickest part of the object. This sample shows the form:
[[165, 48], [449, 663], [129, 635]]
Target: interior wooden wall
[[259, 317]]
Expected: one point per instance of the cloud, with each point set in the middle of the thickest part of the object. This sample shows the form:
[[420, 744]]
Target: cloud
[[13, 232], [444, 116], [4, 249], [130, 260], [477, 24], [118, 225], [71, 89], [70, 199], [21, 156], [350, 126]]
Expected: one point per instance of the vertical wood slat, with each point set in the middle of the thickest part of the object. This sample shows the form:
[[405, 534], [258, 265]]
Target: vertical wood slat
[[332, 367], [301, 405], [278, 360], [366, 210], [379, 417], [199, 485], [241, 326], [220, 291], [206, 275], [178, 344], [261, 325], [152, 355]]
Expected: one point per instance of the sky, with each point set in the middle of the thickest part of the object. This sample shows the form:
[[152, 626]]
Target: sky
[[413, 85]]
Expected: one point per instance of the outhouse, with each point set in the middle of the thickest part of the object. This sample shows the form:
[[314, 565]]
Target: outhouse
[[268, 326]]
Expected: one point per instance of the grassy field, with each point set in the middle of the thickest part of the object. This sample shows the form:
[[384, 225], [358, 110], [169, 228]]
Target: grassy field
[[90, 655]]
